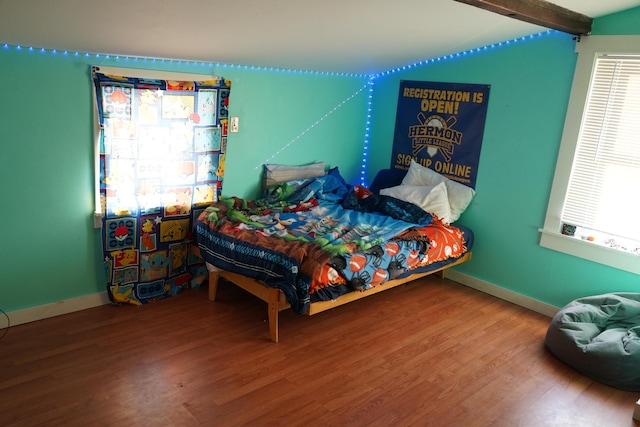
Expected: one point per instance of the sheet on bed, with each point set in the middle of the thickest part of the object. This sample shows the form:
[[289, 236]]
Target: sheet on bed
[[314, 240]]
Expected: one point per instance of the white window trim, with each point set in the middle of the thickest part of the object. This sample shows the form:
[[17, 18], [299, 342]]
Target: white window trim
[[127, 72], [587, 48]]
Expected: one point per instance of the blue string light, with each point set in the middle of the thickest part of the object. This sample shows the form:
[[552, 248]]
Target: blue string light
[[423, 62], [370, 83], [118, 58], [316, 123], [463, 53], [365, 148]]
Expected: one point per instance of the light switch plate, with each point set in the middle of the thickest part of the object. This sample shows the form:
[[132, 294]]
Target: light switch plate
[[233, 124]]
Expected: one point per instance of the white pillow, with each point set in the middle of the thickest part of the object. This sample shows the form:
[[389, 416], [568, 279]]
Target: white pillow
[[459, 194], [276, 174], [420, 175], [431, 198]]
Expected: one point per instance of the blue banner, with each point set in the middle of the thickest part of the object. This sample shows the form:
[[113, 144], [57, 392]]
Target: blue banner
[[440, 126]]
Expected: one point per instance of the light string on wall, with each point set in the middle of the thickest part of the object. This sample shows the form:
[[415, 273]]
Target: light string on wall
[[373, 77], [365, 148], [370, 84], [168, 61], [316, 123], [205, 64], [465, 53], [187, 62]]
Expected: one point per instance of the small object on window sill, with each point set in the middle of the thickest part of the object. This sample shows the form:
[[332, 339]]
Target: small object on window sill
[[568, 229]]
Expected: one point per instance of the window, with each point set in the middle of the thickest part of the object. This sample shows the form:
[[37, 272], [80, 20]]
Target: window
[[210, 127], [160, 149], [593, 207]]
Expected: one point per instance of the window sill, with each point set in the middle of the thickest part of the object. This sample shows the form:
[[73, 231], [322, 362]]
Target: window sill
[[590, 251]]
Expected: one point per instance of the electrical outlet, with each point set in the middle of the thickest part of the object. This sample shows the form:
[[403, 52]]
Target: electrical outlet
[[233, 124]]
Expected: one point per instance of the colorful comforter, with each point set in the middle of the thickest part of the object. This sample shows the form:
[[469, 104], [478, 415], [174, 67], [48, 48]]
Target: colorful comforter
[[315, 239]]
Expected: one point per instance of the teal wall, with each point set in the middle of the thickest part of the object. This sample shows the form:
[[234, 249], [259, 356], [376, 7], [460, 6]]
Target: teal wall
[[530, 86], [621, 23], [309, 118], [50, 250]]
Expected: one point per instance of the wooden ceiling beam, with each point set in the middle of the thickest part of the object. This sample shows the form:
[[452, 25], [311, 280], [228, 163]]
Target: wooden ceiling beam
[[538, 12]]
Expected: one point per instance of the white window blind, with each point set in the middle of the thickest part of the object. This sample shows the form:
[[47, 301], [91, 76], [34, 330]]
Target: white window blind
[[603, 193]]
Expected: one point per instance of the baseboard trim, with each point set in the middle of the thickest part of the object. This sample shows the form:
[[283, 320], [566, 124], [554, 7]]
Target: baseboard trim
[[502, 293], [45, 311]]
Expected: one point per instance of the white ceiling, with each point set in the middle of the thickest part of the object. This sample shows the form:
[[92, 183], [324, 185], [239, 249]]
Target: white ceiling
[[350, 36]]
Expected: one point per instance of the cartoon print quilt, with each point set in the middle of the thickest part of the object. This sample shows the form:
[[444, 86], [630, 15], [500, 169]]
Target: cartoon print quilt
[[302, 239]]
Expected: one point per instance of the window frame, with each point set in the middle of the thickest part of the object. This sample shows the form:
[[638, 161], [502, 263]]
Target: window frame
[[129, 72], [587, 47]]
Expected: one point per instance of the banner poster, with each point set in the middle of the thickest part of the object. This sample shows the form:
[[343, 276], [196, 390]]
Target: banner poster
[[440, 126]]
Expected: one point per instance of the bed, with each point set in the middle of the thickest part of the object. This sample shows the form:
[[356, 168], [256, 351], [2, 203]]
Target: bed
[[314, 243]]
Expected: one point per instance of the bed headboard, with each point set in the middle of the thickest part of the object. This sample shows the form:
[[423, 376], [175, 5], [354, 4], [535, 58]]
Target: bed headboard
[[386, 178]]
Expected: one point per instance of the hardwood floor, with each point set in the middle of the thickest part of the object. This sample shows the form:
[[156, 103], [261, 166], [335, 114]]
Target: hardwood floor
[[431, 353]]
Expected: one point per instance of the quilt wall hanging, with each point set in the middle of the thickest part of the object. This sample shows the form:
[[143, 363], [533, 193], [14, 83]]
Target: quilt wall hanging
[[440, 126], [162, 149]]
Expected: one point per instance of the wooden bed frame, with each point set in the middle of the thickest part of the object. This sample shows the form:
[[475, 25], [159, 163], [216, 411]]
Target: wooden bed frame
[[277, 302]]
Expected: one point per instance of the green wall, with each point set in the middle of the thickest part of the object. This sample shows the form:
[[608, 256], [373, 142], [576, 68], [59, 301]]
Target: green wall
[[50, 251], [530, 86]]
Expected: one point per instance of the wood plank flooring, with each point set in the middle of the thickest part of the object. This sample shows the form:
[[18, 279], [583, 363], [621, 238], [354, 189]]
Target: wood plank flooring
[[430, 353]]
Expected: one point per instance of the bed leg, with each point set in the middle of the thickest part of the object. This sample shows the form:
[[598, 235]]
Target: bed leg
[[213, 285], [274, 297]]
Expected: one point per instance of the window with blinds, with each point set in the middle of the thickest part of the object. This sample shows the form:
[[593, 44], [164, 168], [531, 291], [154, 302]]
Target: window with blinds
[[594, 205], [602, 195]]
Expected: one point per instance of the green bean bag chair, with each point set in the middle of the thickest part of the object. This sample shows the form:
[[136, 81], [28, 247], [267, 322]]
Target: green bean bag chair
[[599, 337]]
